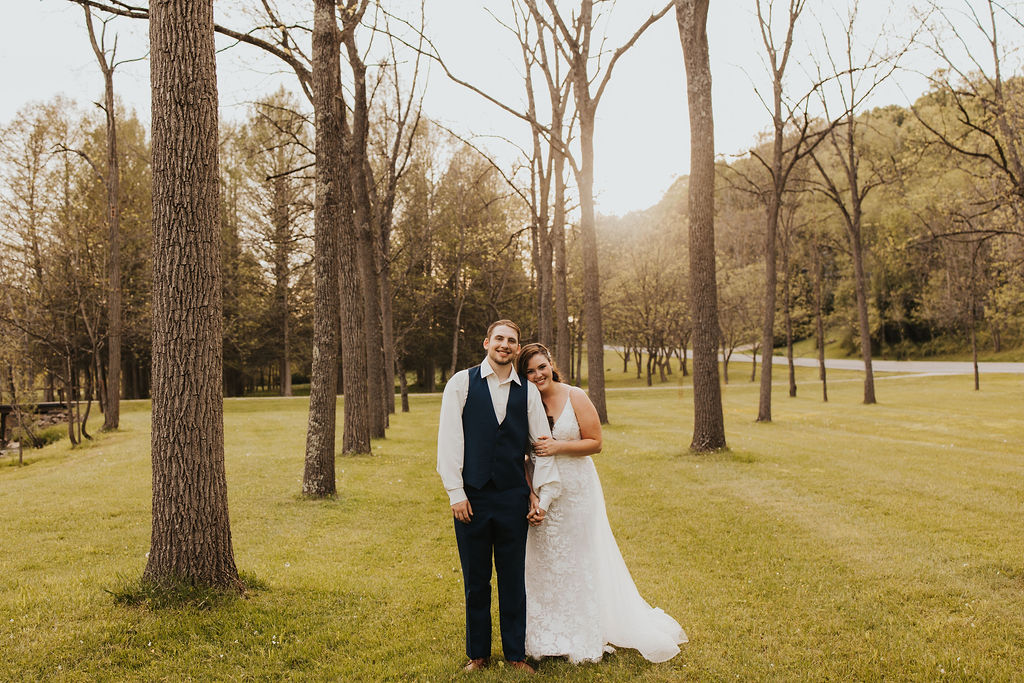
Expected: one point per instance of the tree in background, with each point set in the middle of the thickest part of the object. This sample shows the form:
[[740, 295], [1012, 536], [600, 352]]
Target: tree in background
[[277, 152], [708, 420]]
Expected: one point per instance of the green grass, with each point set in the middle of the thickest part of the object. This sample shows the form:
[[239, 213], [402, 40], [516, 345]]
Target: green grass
[[842, 542]]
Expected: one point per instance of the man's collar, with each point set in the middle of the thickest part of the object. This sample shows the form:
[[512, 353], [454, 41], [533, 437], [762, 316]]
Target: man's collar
[[486, 369]]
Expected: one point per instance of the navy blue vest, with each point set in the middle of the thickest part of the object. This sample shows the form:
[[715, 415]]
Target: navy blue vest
[[494, 452]]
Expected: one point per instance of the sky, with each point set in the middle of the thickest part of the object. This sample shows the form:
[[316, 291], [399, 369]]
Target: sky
[[642, 128]]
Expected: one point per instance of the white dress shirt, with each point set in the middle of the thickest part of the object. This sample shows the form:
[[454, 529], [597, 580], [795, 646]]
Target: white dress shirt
[[451, 441]]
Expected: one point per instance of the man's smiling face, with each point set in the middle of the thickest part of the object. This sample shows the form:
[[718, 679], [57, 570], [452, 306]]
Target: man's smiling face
[[502, 345]]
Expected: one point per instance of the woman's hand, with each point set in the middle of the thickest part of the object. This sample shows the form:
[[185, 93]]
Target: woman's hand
[[546, 446], [535, 516]]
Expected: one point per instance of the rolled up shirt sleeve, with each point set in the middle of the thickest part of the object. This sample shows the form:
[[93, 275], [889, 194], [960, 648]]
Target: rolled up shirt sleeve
[[450, 439], [545, 471]]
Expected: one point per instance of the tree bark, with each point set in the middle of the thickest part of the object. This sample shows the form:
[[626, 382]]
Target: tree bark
[[787, 306], [366, 249], [819, 323], [860, 280], [708, 420], [282, 234], [191, 537], [764, 408], [318, 476], [562, 343], [592, 323]]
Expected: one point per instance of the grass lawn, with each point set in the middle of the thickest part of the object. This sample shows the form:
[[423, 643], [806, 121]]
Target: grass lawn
[[842, 542]]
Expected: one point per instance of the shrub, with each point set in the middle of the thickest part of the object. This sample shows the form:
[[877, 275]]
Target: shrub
[[40, 438]]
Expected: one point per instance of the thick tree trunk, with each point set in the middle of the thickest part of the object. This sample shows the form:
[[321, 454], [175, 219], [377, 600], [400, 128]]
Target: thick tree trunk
[[708, 420], [191, 538], [356, 435], [318, 476], [377, 407]]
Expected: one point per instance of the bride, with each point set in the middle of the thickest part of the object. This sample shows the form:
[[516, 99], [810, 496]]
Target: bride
[[580, 597]]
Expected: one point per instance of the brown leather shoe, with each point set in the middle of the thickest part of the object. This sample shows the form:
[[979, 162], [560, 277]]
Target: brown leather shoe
[[522, 666], [475, 665]]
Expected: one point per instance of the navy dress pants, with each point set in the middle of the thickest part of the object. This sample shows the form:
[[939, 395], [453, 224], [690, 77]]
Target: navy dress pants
[[498, 528]]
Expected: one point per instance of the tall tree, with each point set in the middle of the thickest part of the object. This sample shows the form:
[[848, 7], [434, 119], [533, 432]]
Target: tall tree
[[780, 165], [191, 538], [844, 182], [708, 419], [274, 37], [576, 42], [278, 150], [319, 476], [367, 242], [112, 181]]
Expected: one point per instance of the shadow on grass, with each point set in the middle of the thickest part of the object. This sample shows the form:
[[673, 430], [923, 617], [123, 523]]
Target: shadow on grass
[[171, 594], [720, 455]]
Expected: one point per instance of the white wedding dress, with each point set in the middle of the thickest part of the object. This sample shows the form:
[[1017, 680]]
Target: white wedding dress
[[580, 597]]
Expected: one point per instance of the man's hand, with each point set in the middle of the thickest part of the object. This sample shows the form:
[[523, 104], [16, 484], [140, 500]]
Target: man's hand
[[463, 511]]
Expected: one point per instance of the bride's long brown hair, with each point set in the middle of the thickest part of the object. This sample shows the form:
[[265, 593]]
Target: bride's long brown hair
[[529, 351]]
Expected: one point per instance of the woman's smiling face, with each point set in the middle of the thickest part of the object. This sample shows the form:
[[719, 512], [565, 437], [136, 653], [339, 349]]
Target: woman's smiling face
[[538, 371]]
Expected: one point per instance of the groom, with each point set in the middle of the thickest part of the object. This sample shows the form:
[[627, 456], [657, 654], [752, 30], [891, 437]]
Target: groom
[[489, 418]]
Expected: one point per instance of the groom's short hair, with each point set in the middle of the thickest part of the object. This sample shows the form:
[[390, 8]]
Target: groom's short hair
[[506, 323]]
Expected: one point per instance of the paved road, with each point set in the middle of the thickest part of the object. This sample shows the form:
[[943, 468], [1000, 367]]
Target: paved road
[[923, 367]]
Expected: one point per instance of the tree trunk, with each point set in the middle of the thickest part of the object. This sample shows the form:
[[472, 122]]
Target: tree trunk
[[974, 328], [787, 304], [387, 318], [591, 276], [402, 382], [111, 406], [191, 537], [89, 386], [725, 363], [562, 342], [578, 377], [366, 248], [764, 409], [318, 478], [708, 420], [819, 323], [282, 234], [545, 329], [860, 283]]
